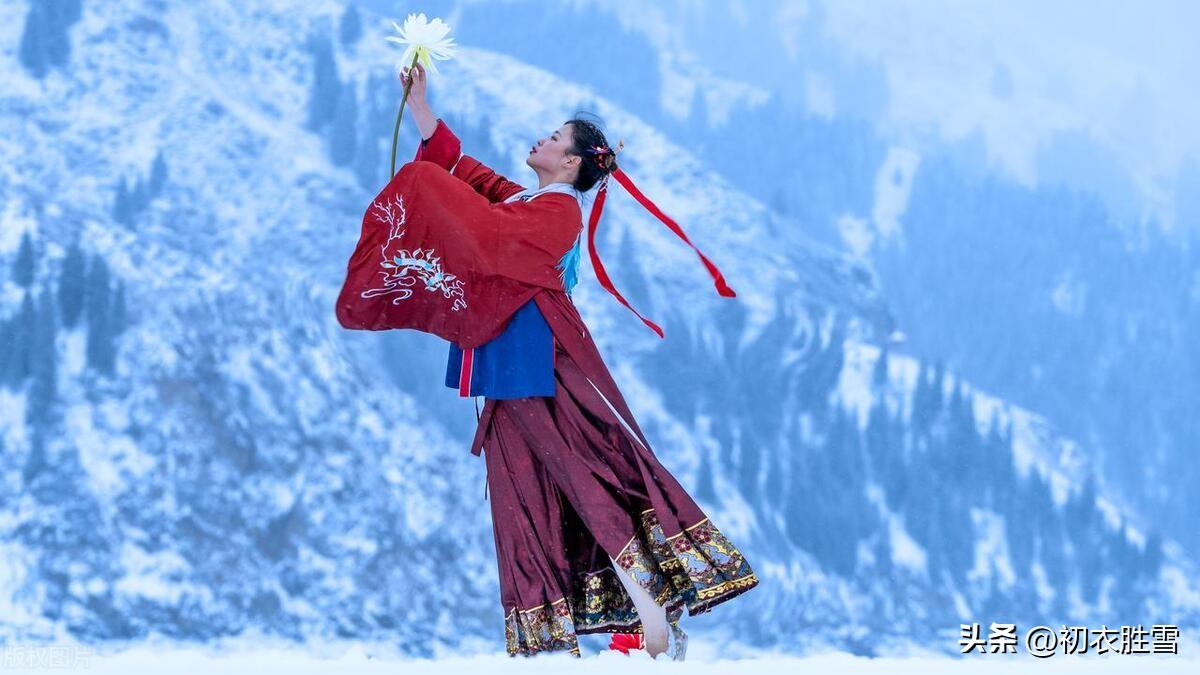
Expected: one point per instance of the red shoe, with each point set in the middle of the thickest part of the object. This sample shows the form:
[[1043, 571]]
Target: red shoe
[[623, 642]]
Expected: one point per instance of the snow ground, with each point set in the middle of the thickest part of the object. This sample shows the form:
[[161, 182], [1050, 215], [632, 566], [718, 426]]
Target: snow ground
[[702, 660]]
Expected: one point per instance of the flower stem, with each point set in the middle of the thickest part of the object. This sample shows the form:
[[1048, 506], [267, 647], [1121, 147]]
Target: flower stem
[[400, 113]]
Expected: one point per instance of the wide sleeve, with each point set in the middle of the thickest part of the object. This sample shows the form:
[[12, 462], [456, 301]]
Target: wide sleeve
[[486, 182], [442, 147], [435, 256], [445, 149]]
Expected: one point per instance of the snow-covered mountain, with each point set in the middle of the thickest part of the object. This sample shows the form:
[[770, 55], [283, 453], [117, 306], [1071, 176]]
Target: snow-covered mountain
[[249, 465]]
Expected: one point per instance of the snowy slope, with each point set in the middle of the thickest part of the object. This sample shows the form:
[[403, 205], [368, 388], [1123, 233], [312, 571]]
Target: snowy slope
[[240, 469], [254, 466]]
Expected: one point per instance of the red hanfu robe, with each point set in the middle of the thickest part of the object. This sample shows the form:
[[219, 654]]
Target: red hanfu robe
[[440, 253], [436, 255], [576, 488]]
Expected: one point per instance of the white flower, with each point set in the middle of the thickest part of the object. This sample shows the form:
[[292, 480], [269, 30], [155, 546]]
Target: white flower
[[424, 39]]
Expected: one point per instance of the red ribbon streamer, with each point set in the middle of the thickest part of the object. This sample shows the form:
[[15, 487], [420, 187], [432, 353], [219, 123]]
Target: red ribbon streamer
[[718, 279]]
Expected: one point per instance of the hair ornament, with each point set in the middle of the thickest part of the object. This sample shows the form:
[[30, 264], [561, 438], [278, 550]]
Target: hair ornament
[[604, 155]]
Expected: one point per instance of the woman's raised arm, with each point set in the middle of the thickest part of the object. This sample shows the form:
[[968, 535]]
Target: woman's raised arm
[[426, 122], [440, 146]]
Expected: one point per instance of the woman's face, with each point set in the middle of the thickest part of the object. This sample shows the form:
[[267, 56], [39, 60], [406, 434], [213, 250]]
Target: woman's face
[[551, 155]]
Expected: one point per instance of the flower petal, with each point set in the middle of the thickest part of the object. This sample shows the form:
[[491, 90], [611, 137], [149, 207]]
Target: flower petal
[[424, 39]]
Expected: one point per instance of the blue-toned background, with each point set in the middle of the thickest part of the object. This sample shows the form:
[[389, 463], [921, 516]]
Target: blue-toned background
[[959, 384]]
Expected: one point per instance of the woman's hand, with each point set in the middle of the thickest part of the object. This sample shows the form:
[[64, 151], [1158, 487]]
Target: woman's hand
[[426, 121], [415, 75]]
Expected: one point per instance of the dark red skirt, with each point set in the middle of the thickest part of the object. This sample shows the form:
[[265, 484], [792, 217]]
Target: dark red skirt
[[570, 485]]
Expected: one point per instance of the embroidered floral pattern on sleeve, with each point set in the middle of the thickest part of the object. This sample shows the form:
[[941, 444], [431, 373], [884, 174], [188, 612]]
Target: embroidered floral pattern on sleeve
[[403, 269]]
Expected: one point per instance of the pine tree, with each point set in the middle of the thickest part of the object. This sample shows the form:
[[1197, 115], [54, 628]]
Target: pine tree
[[8, 355], [326, 85], [1081, 513], [158, 174], [999, 473], [22, 340], [937, 395], [97, 304], [633, 279], [1016, 523], [122, 210], [842, 517], [138, 196], [350, 29], [377, 101], [368, 163], [882, 549], [927, 399], [960, 454], [370, 158], [958, 533], [72, 281], [45, 41], [879, 376], [32, 50], [35, 462], [1052, 539], [706, 490], [876, 439], [822, 371], [120, 311], [60, 15], [43, 359], [343, 136], [69, 11], [919, 416], [25, 265]]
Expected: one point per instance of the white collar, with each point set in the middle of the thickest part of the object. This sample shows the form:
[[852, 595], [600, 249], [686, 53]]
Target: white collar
[[565, 188]]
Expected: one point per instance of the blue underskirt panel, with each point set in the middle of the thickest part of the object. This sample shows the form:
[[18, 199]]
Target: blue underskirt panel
[[518, 362]]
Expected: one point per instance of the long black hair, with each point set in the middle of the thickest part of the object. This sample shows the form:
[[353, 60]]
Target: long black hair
[[587, 135]]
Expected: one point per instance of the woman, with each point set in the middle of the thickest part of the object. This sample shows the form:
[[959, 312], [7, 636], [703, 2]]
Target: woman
[[592, 533]]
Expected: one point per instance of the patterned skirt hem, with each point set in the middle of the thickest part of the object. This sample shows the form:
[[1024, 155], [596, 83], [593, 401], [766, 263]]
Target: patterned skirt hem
[[545, 628], [693, 571], [697, 568]]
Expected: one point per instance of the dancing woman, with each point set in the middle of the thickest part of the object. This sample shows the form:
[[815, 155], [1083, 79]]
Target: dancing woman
[[592, 533]]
